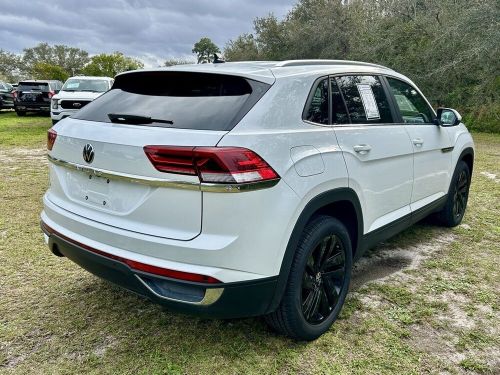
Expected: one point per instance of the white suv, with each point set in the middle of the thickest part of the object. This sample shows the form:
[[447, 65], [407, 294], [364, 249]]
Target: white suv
[[245, 189], [76, 93]]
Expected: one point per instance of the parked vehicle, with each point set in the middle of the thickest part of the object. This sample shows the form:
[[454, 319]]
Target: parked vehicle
[[245, 189], [6, 96], [76, 93], [35, 96]]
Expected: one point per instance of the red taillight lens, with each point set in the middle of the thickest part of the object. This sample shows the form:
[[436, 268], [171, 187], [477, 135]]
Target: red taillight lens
[[51, 94], [51, 138], [212, 164], [14, 94]]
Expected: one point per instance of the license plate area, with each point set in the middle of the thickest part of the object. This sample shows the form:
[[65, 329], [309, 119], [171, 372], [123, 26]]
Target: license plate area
[[96, 190]]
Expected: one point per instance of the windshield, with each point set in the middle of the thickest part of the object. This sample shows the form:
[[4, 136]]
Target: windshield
[[93, 85]]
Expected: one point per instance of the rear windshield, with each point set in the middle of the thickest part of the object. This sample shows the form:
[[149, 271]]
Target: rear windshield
[[182, 100], [39, 86]]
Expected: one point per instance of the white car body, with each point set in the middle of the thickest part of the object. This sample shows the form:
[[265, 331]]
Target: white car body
[[65, 103], [393, 173]]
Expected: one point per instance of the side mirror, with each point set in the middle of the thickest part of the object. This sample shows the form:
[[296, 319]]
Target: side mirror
[[448, 117]]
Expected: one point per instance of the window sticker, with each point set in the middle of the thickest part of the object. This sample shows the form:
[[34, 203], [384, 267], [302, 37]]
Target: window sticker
[[369, 103]]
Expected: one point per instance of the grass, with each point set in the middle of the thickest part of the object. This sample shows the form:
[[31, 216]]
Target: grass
[[427, 301], [20, 131]]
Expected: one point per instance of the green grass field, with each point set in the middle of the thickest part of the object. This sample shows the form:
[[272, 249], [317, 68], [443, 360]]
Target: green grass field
[[426, 301]]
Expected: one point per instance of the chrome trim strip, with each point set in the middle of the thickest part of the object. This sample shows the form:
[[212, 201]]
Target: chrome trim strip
[[158, 182], [211, 295]]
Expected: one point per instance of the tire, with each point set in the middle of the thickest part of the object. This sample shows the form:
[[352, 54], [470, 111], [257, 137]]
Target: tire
[[21, 113], [54, 122], [318, 281], [453, 212]]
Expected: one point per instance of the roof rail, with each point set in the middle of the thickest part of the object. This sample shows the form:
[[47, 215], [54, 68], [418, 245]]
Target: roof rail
[[326, 62]]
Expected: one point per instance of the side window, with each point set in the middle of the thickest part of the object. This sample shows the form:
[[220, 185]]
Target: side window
[[365, 99], [411, 104], [318, 107], [339, 113]]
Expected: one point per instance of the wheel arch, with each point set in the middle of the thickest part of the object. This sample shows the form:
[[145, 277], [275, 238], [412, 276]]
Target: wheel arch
[[341, 203], [467, 155]]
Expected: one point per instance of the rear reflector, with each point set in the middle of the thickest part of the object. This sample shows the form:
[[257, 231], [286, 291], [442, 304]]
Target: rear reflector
[[51, 138], [138, 266], [233, 165]]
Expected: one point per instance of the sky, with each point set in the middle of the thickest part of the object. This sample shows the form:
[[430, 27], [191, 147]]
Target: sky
[[152, 30]]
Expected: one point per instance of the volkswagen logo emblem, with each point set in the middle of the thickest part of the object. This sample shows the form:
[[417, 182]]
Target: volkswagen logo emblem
[[77, 105], [88, 153]]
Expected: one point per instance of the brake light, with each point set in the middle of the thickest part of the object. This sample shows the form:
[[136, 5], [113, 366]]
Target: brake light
[[232, 165], [14, 94], [51, 94], [51, 138]]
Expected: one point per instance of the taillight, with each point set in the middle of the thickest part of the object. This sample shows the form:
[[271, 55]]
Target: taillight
[[14, 94], [223, 165], [51, 138], [51, 94]]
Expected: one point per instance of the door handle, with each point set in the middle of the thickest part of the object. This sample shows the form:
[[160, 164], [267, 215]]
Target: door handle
[[418, 142], [362, 149]]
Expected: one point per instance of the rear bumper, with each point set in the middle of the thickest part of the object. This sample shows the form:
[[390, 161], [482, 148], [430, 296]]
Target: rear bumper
[[32, 106], [221, 300]]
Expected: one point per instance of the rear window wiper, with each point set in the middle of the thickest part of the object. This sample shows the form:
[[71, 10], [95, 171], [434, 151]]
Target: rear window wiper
[[135, 119]]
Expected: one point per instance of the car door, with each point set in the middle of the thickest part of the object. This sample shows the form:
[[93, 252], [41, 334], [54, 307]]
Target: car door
[[378, 152], [431, 143]]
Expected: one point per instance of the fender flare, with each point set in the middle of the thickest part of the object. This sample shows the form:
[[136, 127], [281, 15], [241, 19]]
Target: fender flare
[[316, 203], [466, 151]]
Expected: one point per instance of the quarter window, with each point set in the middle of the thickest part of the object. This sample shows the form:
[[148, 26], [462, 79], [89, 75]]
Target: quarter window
[[413, 107], [318, 107], [365, 99]]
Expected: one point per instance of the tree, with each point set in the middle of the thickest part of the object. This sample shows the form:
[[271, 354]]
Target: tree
[[9, 66], [109, 65], [70, 59], [243, 48], [48, 71], [205, 50], [178, 61]]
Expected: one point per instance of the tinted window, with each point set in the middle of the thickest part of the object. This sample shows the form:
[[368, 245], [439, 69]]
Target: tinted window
[[365, 99], [339, 112], [318, 107], [190, 100], [411, 104], [28, 86]]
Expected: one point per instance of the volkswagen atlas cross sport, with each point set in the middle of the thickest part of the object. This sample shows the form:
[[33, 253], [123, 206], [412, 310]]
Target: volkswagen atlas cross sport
[[245, 189]]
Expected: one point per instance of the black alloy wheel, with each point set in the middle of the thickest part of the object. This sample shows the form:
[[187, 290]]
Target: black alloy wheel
[[323, 280]]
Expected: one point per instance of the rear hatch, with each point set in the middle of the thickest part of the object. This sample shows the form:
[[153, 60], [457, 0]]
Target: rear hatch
[[34, 93], [119, 185]]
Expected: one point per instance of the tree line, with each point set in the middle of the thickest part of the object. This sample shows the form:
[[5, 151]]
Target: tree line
[[449, 48], [60, 62]]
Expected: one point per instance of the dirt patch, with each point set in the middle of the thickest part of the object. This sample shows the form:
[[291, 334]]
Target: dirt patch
[[15, 155], [385, 261], [490, 176]]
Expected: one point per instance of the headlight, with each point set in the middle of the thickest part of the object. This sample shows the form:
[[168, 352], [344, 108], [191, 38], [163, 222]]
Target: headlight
[[54, 103]]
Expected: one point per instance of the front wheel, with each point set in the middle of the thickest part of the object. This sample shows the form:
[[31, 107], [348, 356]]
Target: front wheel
[[318, 281], [21, 113], [453, 212]]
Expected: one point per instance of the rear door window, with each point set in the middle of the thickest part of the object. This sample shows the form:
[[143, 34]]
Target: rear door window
[[183, 100], [365, 99], [412, 106]]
